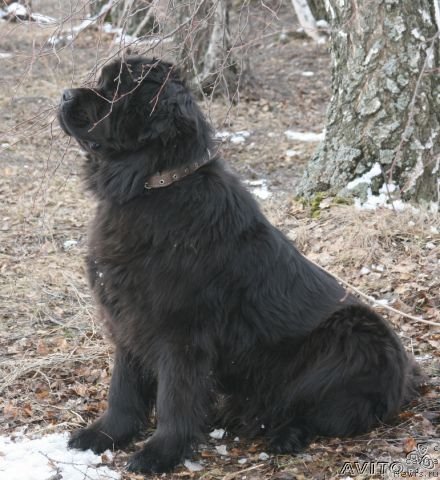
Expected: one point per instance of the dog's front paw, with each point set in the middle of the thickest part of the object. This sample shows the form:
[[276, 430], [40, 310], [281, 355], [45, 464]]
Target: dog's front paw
[[155, 457], [91, 438], [108, 432]]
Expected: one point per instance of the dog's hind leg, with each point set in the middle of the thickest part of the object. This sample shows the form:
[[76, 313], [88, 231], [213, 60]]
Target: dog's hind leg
[[131, 398], [353, 373], [292, 437]]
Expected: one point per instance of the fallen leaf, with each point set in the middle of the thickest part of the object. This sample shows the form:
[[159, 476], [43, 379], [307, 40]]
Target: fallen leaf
[[409, 444], [42, 348], [406, 415], [27, 410], [10, 411], [207, 454], [104, 458]]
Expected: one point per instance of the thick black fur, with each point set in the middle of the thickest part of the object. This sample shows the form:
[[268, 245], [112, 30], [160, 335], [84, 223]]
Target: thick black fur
[[204, 298]]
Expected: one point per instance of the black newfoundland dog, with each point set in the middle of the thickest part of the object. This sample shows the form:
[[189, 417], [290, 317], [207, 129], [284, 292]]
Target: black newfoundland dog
[[210, 307]]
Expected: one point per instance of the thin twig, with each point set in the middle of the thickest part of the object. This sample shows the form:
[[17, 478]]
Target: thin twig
[[62, 324], [232, 475], [373, 300]]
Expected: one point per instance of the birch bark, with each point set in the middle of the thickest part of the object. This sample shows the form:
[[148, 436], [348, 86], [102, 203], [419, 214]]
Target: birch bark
[[383, 121]]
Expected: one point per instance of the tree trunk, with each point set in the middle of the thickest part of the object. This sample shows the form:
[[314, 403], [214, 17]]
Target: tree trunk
[[206, 50], [318, 9], [307, 20], [133, 16], [383, 122]]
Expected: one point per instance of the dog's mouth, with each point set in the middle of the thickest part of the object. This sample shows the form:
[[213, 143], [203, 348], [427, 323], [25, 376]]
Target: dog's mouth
[[73, 132], [72, 114], [62, 122], [75, 121]]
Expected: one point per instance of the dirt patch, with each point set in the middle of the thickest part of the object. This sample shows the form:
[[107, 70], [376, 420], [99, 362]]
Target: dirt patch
[[54, 360]]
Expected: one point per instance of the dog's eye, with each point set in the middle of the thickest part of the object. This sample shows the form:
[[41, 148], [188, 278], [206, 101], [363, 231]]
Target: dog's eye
[[95, 146]]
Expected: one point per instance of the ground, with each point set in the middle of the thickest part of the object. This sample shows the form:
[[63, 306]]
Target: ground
[[55, 362]]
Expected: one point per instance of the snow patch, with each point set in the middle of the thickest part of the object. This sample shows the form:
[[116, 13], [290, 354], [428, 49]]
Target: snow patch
[[218, 433], [193, 466], [84, 24], [304, 136], [17, 10], [68, 244], [48, 457], [43, 19], [124, 38], [366, 177], [221, 449], [22, 13], [383, 199], [423, 358], [323, 24], [259, 188], [416, 34], [236, 138], [222, 135], [239, 137], [383, 301], [292, 153]]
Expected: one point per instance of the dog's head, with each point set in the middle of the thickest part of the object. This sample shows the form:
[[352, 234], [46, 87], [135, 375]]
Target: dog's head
[[137, 101]]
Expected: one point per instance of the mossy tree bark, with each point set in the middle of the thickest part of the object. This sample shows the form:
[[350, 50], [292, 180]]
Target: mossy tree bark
[[383, 122]]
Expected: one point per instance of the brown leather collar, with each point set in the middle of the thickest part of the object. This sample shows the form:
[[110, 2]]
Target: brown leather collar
[[168, 177]]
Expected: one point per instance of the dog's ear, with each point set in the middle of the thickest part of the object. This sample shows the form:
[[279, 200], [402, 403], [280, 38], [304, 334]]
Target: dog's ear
[[174, 113]]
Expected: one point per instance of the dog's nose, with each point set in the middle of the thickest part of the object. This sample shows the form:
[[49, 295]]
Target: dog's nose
[[68, 95]]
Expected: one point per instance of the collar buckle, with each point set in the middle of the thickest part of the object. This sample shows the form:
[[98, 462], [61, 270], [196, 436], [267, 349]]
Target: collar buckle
[[167, 178]]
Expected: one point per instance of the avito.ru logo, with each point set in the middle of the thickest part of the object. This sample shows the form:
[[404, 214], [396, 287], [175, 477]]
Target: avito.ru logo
[[417, 462]]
